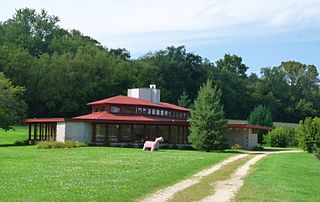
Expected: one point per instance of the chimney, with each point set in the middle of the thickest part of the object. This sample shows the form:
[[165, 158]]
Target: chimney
[[151, 94]]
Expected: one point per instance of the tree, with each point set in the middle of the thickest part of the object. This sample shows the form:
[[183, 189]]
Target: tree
[[232, 63], [208, 124], [184, 100], [12, 106], [261, 116], [308, 134]]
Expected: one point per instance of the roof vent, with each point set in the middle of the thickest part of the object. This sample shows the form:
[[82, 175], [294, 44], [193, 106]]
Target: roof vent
[[153, 86]]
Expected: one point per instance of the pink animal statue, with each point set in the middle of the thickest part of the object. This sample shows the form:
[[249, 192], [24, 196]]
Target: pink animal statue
[[153, 145]]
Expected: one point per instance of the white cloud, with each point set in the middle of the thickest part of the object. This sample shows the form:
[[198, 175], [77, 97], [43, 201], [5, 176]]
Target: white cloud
[[142, 24]]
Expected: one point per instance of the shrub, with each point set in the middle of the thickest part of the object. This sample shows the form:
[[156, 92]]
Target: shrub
[[316, 151], [292, 140], [236, 146], [308, 134], [278, 137], [56, 145]]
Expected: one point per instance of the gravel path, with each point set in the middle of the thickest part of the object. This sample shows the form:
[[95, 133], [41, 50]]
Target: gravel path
[[224, 190], [166, 193]]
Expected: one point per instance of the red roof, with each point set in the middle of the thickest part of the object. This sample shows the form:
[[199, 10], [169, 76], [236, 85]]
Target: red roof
[[125, 100], [105, 116], [249, 126], [43, 120]]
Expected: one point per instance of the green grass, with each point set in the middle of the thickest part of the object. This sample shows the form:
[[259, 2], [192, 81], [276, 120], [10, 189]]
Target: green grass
[[19, 133], [92, 173], [283, 177], [206, 186]]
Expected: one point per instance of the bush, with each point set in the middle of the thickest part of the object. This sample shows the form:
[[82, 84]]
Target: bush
[[292, 140], [278, 137], [316, 151], [308, 134], [56, 145], [236, 146]]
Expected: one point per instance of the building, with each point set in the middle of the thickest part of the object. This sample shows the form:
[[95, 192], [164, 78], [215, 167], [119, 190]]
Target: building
[[131, 119]]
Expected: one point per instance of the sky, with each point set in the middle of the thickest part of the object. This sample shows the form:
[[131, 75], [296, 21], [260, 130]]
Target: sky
[[264, 33]]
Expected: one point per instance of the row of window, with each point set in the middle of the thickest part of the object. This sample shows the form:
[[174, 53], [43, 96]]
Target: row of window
[[144, 111]]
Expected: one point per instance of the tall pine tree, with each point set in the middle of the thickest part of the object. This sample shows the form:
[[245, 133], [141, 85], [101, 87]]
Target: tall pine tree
[[208, 124], [184, 100]]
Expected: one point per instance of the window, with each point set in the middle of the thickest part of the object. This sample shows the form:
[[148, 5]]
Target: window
[[125, 133], [113, 132], [158, 112], [139, 110], [144, 111], [128, 110], [153, 112], [148, 111], [169, 114], [95, 109], [162, 112], [115, 109], [166, 113]]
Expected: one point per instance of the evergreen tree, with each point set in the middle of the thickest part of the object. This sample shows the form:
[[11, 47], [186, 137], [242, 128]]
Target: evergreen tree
[[208, 124], [261, 115], [184, 100]]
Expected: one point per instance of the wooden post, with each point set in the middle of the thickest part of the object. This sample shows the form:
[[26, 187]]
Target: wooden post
[[119, 132], [30, 131], [144, 133], [40, 131], [178, 138], [54, 131], [106, 136], [132, 134], [93, 139], [169, 137], [49, 131], [35, 132], [183, 135], [157, 131], [46, 132]]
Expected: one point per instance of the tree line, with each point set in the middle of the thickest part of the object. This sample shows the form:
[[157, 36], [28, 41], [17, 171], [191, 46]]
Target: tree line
[[61, 70]]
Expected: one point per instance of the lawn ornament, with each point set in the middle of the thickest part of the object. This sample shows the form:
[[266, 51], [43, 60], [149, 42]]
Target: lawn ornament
[[153, 145]]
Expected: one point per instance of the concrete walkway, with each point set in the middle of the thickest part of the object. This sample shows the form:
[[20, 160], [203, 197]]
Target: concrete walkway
[[224, 190]]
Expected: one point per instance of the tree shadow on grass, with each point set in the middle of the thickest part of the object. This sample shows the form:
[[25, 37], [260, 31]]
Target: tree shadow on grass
[[19, 143]]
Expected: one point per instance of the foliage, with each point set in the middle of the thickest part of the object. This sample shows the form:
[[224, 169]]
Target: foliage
[[233, 63], [308, 133], [291, 135], [236, 147], [261, 116], [184, 100], [278, 137], [316, 151], [12, 105], [52, 62], [56, 145], [208, 125]]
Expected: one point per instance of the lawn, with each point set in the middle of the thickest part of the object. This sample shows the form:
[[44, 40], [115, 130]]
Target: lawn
[[283, 177], [92, 173], [9, 137]]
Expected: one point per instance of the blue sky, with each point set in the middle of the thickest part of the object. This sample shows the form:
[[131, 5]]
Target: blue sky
[[263, 33]]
